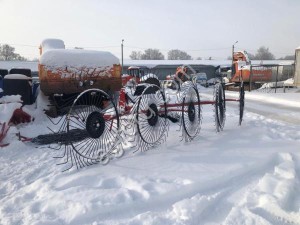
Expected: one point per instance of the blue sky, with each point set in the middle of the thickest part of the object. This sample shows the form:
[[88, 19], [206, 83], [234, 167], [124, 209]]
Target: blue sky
[[202, 28]]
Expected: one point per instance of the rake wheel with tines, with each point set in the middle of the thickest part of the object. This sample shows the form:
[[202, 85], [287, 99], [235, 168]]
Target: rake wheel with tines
[[190, 122], [150, 118], [91, 130]]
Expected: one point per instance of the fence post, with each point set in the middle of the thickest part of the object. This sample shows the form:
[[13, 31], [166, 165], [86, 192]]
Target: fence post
[[276, 79]]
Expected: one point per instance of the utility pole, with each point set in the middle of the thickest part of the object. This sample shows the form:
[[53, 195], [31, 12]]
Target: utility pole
[[232, 58], [122, 45]]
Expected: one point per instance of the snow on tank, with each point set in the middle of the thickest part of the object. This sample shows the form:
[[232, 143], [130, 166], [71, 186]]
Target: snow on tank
[[50, 44], [77, 58]]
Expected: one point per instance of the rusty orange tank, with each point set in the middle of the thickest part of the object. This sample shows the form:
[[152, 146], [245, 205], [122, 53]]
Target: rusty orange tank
[[64, 71]]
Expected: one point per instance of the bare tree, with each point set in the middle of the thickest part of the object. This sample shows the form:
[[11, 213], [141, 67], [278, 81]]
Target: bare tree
[[7, 53], [152, 54], [136, 55], [176, 54], [263, 53]]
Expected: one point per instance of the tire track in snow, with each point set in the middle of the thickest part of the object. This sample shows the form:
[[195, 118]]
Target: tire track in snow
[[283, 117], [279, 112]]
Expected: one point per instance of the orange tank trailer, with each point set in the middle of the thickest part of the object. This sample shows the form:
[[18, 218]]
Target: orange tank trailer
[[71, 79]]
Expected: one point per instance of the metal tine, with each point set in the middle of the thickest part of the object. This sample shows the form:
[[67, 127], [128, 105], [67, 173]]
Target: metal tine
[[67, 159], [60, 157], [52, 120]]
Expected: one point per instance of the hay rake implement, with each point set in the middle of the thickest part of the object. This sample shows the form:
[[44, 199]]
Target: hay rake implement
[[95, 130]]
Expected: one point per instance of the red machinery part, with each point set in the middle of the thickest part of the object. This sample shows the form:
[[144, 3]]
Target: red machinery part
[[19, 116], [3, 132]]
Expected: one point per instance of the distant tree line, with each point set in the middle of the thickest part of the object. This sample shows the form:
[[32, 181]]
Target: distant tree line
[[7, 53], [288, 57], [155, 54], [263, 53]]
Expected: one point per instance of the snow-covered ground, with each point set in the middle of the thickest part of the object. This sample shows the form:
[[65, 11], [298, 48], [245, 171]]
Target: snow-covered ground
[[243, 175]]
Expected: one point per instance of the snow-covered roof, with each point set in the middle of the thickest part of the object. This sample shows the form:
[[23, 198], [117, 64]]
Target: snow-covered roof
[[272, 62], [33, 66], [155, 63], [78, 58]]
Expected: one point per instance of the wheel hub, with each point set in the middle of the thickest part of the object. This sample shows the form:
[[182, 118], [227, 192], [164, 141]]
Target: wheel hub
[[95, 124], [152, 114], [191, 112]]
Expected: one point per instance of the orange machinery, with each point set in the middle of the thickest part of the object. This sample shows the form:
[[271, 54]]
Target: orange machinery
[[241, 70]]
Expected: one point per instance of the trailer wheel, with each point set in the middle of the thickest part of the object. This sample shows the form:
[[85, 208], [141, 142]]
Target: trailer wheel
[[219, 107], [241, 102]]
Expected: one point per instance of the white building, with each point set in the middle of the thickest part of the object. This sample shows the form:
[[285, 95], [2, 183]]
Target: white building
[[297, 68]]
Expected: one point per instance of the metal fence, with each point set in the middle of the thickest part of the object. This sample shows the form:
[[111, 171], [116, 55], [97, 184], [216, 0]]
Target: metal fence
[[268, 78]]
